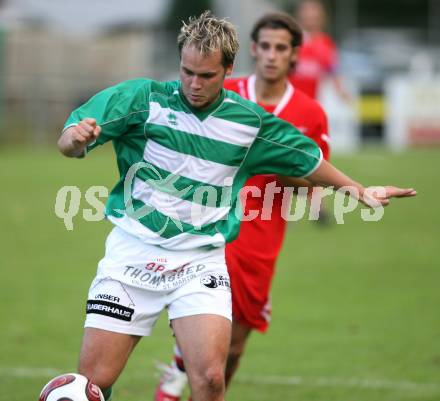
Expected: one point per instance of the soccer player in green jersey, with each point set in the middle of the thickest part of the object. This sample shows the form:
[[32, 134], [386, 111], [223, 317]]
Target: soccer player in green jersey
[[184, 149]]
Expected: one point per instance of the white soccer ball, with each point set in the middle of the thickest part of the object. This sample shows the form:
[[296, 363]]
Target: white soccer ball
[[71, 387]]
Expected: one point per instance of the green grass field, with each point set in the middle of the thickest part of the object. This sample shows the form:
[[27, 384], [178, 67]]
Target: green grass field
[[356, 306]]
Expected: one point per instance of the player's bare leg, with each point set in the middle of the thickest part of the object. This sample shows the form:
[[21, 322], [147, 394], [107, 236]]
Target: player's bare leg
[[204, 343], [104, 355], [240, 334]]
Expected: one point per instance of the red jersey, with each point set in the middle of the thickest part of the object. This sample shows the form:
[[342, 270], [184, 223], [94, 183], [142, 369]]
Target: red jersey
[[251, 257], [318, 57]]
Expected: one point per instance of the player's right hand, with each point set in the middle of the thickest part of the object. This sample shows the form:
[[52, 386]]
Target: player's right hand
[[83, 134]]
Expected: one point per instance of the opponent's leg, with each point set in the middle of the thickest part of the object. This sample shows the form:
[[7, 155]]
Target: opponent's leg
[[104, 355], [204, 342], [173, 379], [239, 337]]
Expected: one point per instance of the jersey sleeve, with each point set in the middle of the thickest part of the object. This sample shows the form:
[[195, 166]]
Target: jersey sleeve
[[112, 109], [281, 149]]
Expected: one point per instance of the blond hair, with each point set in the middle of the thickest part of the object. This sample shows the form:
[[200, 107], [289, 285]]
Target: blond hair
[[208, 34]]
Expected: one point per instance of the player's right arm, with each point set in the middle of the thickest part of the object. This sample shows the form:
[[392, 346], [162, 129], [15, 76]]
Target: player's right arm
[[107, 116], [75, 139]]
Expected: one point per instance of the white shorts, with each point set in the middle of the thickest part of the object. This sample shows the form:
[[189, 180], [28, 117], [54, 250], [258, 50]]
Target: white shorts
[[135, 282]]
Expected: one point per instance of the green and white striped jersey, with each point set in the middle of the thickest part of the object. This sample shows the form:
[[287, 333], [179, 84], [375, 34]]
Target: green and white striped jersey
[[181, 169]]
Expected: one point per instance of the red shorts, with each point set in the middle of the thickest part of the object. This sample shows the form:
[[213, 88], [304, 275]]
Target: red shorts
[[251, 262]]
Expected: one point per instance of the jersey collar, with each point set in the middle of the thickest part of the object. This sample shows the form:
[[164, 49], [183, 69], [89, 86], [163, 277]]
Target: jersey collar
[[206, 112], [288, 93]]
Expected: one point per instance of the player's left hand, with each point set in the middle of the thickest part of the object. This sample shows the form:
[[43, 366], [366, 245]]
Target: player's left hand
[[394, 192], [375, 196]]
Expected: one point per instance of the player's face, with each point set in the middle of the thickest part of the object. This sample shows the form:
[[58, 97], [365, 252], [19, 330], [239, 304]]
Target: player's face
[[202, 76], [311, 16], [273, 53]]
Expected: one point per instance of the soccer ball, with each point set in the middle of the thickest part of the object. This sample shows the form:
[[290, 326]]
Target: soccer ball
[[71, 387]]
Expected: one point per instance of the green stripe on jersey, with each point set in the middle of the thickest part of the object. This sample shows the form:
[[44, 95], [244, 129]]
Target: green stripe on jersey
[[167, 227], [197, 146], [237, 112]]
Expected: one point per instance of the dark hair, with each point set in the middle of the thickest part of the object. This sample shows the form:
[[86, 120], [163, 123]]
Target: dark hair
[[279, 21]]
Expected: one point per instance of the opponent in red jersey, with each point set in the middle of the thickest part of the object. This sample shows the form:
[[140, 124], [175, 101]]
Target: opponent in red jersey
[[252, 256], [318, 55]]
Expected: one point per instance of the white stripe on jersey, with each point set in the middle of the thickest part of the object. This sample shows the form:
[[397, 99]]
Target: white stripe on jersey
[[232, 132], [188, 166], [176, 208]]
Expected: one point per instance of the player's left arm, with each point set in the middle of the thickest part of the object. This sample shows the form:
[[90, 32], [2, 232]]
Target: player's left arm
[[295, 182], [282, 149], [328, 175], [321, 136]]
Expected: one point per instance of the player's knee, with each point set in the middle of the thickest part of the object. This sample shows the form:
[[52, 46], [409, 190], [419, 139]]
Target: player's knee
[[214, 380], [104, 377], [211, 380]]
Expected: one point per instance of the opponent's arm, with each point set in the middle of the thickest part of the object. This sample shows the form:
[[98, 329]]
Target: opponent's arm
[[75, 139]]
